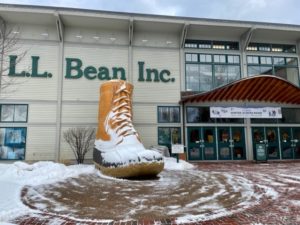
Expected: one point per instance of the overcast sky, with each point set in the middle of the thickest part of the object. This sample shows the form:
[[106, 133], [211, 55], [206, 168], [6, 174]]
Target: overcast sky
[[278, 11]]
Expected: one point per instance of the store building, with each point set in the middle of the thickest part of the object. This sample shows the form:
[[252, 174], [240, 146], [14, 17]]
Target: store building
[[192, 78]]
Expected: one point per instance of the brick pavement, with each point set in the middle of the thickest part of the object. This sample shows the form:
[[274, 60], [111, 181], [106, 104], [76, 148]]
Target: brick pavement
[[285, 209]]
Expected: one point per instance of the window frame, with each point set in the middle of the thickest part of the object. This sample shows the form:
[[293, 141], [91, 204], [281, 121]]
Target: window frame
[[169, 128], [179, 115], [213, 64], [14, 121]]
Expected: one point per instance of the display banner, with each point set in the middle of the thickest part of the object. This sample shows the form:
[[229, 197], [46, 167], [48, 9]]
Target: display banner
[[240, 112]]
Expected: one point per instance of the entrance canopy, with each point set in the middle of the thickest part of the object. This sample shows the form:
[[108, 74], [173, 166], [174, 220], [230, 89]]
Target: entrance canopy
[[261, 88]]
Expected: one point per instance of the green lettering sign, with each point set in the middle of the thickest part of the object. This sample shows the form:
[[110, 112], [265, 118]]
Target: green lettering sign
[[90, 72], [73, 64], [103, 73]]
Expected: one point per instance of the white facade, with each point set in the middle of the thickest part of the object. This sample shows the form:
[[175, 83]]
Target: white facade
[[111, 40]]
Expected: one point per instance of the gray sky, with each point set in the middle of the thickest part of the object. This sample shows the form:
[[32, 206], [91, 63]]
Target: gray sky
[[278, 11]]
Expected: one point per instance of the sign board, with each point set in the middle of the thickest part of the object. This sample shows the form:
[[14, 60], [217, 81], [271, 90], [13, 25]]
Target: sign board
[[261, 153], [177, 149], [240, 112]]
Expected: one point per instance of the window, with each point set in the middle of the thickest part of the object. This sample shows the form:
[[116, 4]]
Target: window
[[284, 67], [208, 44], [169, 135], [290, 115], [205, 58], [191, 57], [13, 113], [196, 114], [271, 47], [168, 114], [212, 71], [12, 143]]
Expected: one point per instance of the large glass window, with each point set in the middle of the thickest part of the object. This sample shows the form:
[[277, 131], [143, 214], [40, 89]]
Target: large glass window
[[271, 47], [169, 135], [209, 44], [284, 67], [13, 113], [168, 114], [12, 143], [211, 71]]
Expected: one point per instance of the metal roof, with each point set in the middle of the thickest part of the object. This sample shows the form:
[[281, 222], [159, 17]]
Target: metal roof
[[152, 16], [261, 88]]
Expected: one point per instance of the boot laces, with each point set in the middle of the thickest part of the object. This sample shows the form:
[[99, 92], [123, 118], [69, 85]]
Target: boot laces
[[120, 117]]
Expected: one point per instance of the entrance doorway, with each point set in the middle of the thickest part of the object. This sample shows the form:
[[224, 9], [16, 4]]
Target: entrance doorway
[[290, 142], [269, 137], [202, 143], [231, 143]]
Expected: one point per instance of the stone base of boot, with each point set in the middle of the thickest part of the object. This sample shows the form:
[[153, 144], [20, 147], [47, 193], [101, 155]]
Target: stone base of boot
[[146, 163]]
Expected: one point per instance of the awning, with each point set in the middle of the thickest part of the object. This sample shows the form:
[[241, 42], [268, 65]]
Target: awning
[[260, 88]]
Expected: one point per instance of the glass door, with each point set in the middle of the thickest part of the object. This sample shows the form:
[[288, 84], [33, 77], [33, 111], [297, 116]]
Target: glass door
[[269, 137], [194, 138], [209, 143], [238, 140], [224, 143], [296, 141], [272, 142], [201, 143], [286, 143]]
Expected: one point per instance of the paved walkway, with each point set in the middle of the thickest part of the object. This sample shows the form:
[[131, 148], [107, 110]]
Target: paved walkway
[[284, 178]]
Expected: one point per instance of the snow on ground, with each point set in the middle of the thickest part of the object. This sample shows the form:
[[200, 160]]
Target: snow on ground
[[13, 177], [172, 164]]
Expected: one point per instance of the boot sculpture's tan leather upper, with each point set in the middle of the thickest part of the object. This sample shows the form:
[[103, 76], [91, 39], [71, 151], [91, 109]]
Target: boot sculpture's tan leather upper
[[117, 142]]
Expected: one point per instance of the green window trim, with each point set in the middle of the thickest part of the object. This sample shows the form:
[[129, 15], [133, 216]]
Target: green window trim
[[13, 113]]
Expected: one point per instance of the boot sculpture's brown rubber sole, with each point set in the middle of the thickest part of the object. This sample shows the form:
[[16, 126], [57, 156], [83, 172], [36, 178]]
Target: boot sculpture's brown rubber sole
[[151, 169]]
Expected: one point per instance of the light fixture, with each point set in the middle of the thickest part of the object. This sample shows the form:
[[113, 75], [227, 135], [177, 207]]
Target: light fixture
[[144, 40], [169, 42], [45, 34], [79, 36], [96, 37], [15, 32], [112, 39]]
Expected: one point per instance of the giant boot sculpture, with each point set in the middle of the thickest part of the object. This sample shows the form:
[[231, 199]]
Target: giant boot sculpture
[[118, 150]]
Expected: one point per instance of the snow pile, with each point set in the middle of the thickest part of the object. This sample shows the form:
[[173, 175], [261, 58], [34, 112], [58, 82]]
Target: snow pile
[[15, 176], [171, 164]]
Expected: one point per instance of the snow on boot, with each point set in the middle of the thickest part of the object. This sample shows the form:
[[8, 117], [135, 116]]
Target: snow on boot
[[118, 150]]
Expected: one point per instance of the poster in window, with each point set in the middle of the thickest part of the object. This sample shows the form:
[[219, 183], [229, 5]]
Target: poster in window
[[175, 135], [15, 137], [20, 113], [164, 135], [7, 113]]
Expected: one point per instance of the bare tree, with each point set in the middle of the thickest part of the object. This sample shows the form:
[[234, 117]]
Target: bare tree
[[80, 139], [8, 45]]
